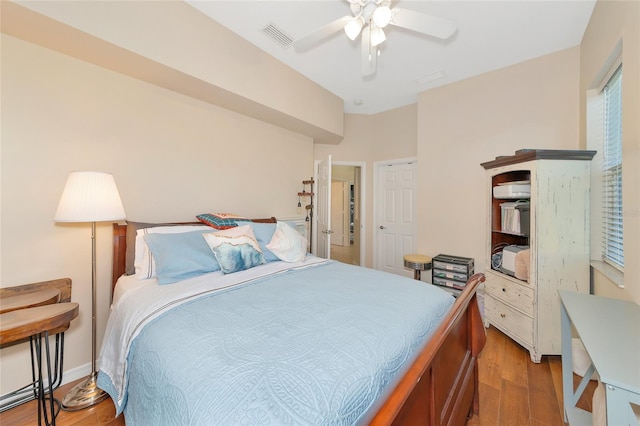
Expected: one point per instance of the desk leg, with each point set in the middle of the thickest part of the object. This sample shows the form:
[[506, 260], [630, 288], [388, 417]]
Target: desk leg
[[567, 363], [38, 343], [59, 361], [51, 380], [34, 363], [619, 411], [37, 373], [29, 392]]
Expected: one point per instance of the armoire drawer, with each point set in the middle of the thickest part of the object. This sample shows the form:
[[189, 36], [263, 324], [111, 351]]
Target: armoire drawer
[[513, 294], [508, 319]]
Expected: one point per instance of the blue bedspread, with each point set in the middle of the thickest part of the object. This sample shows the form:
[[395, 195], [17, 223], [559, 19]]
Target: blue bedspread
[[317, 346]]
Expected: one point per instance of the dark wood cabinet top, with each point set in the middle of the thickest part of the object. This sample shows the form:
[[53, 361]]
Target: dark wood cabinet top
[[523, 155]]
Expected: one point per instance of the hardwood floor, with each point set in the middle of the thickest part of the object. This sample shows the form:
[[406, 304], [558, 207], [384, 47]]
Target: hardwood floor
[[516, 391], [344, 254], [101, 414], [513, 391]]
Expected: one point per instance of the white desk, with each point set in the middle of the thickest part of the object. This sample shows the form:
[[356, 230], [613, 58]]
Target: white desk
[[610, 332]]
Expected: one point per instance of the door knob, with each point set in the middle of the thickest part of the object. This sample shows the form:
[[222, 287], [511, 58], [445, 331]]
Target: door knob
[[382, 227]]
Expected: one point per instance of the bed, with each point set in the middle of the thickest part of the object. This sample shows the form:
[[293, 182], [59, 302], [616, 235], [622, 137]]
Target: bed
[[305, 342]]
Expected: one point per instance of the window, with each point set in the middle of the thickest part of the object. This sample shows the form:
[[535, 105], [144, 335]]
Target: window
[[611, 178]]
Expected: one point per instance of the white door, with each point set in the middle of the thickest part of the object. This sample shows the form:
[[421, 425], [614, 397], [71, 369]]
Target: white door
[[336, 212], [324, 208], [395, 217], [340, 209]]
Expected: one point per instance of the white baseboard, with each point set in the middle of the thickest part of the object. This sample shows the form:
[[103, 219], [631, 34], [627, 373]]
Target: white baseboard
[[76, 373]]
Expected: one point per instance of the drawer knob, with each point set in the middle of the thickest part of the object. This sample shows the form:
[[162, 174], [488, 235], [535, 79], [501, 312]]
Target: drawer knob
[[502, 315], [504, 289]]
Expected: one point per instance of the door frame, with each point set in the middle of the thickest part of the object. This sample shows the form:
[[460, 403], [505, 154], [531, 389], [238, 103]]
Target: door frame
[[363, 203], [377, 167]]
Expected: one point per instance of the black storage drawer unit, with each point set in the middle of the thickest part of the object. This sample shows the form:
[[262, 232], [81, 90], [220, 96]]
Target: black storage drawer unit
[[451, 272]]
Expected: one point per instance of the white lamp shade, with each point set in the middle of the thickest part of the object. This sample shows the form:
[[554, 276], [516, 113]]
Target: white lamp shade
[[90, 197]]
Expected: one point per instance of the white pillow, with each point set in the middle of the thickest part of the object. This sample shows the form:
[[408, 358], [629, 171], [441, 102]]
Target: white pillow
[[143, 262], [288, 244]]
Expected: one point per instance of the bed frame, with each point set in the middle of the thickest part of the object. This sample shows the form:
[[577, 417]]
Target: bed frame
[[441, 387]]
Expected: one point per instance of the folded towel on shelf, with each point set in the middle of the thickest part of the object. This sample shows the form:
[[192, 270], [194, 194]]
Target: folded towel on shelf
[[522, 265]]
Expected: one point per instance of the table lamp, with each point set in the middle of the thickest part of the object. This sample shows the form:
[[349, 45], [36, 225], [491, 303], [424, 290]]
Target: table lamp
[[89, 197]]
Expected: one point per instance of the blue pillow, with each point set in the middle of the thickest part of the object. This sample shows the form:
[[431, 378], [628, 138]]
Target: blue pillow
[[181, 256], [263, 232]]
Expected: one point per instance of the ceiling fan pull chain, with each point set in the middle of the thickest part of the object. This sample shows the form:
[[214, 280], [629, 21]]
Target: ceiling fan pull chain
[[370, 40]]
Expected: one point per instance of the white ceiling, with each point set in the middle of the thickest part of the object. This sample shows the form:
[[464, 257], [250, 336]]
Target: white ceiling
[[490, 35]]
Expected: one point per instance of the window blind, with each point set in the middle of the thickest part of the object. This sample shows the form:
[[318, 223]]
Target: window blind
[[613, 250]]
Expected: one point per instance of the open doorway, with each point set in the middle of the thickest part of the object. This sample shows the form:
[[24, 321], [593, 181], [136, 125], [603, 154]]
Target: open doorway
[[346, 221]]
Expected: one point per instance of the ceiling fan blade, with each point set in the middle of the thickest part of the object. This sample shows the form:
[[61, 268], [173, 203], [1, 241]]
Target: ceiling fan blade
[[314, 37], [369, 54], [423, 23]]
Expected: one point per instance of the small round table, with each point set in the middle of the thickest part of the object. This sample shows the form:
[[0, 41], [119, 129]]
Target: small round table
[[36, 323], [29, 299], [417, 262]]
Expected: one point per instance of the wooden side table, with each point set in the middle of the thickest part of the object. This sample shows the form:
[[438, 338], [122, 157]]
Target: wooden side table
[[30, 299], [28, 296], [35, 324], [417, 262]]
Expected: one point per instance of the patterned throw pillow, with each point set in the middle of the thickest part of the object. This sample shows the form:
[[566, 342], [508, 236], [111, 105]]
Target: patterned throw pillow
[[235, 249], [220, 220], [228, 220], [264, 233]]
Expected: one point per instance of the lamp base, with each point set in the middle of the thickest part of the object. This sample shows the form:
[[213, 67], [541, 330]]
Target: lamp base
[[83, 395]]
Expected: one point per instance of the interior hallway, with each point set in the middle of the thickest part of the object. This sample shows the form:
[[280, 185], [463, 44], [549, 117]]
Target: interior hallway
[[344, 254]]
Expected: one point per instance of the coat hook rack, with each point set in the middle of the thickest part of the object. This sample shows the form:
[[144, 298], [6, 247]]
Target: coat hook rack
[[308, 207]]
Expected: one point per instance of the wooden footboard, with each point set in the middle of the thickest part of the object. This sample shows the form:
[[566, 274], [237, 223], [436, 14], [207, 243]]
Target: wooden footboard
[[441, 387]]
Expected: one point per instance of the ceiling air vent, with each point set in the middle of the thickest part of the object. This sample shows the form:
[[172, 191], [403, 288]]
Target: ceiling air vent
[[276, 34]]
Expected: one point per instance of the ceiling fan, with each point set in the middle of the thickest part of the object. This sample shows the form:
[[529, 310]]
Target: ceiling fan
[[369, 19]]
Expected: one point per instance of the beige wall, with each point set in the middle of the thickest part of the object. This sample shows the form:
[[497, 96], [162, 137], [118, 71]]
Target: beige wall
[[533, 104], [613, 22], [367, 139], [173, 45], [172, 157]]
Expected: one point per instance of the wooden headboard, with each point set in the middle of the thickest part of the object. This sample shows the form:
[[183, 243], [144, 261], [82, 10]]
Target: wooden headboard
[[119, 253], [120, 249]]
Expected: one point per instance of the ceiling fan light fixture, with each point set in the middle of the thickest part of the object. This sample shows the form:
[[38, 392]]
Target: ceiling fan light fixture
[[377, 36], [382, 16], [353, 27]]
